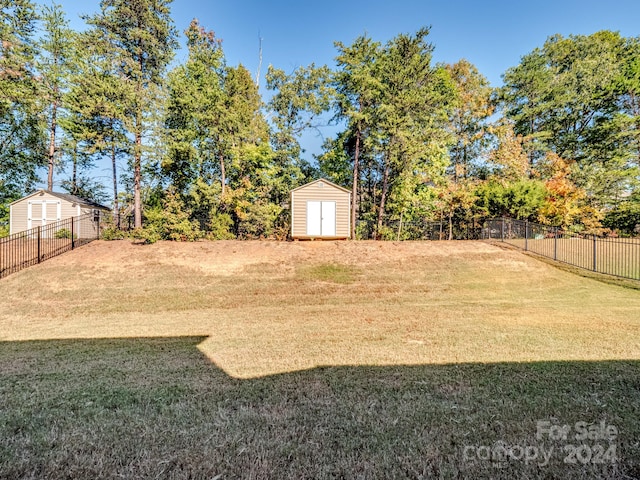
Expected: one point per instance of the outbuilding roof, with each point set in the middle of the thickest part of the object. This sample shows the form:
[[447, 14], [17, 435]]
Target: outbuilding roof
[[324, 180], [65, 196]]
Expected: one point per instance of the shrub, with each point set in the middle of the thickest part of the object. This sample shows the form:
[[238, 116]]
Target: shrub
[[169, 222], [256, 220], [64, 233], [625, 218], [219, 227], [148, 234], [111, 232]]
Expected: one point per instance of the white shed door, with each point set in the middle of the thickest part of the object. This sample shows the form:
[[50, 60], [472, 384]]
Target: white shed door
[[321, 219], [328, 219], [41, 212]]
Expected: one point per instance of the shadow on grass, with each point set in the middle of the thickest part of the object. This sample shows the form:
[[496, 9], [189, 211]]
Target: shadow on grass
[[157, 408]]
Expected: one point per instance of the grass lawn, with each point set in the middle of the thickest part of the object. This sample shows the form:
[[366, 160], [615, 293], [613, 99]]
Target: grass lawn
[[316, 360]]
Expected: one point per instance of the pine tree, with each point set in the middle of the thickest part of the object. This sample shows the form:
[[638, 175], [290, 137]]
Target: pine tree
[[468, 121], [195, 111], [21, 128], [139, 38], [415, 106], [358, 89], [55, 66]]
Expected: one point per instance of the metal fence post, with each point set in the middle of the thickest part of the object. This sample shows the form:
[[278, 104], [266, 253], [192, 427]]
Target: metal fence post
[[39, 243], [526, 235], [98, 227], [595, 245], [555, 243], [502, 231], [73, 243]]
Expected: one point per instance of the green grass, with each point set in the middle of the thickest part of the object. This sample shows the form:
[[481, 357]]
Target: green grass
[[330, 360], [148, 408], [330, 272]]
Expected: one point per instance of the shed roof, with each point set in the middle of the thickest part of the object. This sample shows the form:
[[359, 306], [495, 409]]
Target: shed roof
[[65, 196], [325, 181]]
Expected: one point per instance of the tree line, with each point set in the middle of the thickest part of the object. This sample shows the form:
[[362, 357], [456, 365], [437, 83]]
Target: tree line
[[416, 140]]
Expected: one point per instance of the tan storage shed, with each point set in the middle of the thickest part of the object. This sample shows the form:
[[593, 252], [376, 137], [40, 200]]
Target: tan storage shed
[[320, 210], [45, 207]]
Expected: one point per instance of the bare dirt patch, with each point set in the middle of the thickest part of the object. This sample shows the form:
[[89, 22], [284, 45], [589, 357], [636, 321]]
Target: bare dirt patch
[[229, 257]]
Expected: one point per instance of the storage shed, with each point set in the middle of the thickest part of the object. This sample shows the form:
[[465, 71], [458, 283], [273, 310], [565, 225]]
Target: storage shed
[[45, 207], [320, 209]]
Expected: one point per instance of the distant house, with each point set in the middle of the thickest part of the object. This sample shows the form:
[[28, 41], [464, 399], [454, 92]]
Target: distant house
[[320, 210], [45, 207]]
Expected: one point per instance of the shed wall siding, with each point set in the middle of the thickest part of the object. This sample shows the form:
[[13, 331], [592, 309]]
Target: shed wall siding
[[18, 217], [88, 229], [326, 193]]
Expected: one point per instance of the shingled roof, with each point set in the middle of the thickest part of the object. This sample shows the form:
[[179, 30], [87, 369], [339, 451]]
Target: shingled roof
[[69, 198]]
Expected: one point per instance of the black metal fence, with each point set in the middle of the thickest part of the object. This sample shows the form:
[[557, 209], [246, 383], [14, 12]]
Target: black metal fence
[[609, 255], [23, 249], [613, 256]]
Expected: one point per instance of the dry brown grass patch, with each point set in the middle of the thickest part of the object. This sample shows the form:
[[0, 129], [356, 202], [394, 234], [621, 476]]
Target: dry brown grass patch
[[307, 360]]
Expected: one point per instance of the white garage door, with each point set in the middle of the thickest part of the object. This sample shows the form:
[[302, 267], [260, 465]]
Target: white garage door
[[321, 219]]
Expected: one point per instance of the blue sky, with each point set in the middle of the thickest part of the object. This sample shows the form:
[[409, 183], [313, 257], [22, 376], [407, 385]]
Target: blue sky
[[491, 34]]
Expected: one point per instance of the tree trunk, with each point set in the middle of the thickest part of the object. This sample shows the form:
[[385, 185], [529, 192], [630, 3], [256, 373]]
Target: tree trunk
[[354, 189], [223, 173], [74, 170], [52, 144], [383, 198], [450, 225], [114, 168], [137, 160], [137, 148]]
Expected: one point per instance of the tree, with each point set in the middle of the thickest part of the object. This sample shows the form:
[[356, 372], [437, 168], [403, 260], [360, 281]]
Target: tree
[[566, 98], [139, 38], [396, 105], [468, 120], [86, 187], [21, 129], [220, 159], [55, 66], [627, 86], [414, 108], [94, 117], [566, 204], [522, 199], [526, 98], [195, 114], [456, 201], [260, 178], [298, 104], [508, 158], [358, 88], [625, 218]]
